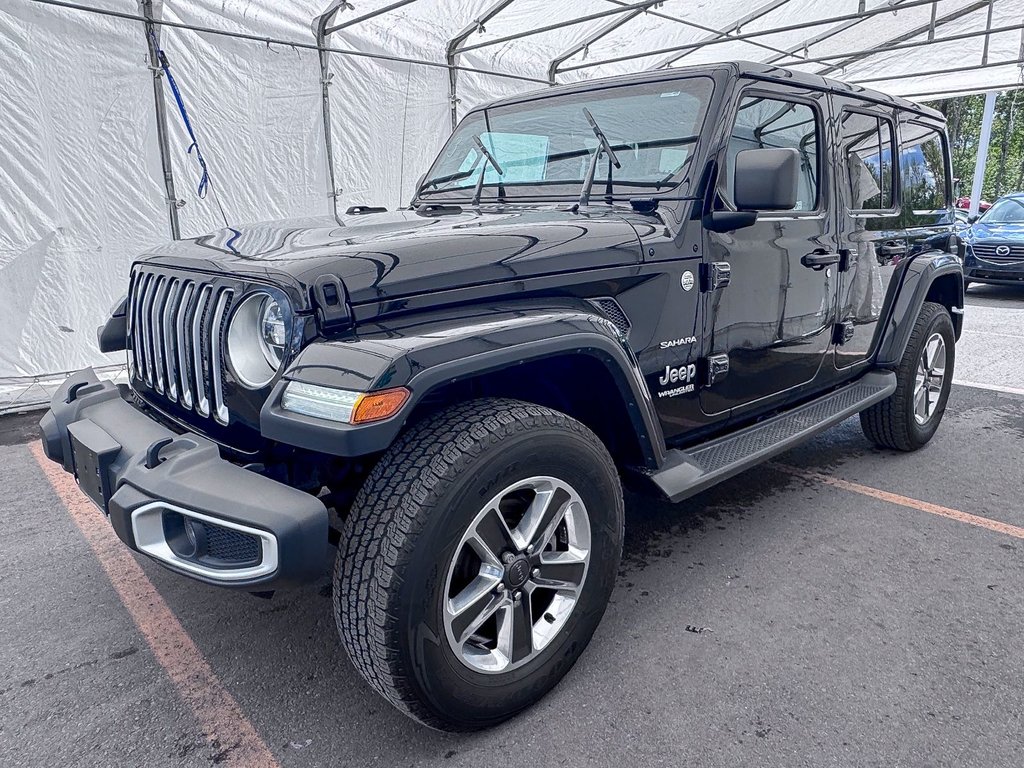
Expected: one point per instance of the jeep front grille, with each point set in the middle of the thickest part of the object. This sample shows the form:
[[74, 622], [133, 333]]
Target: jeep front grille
[[176, 332]]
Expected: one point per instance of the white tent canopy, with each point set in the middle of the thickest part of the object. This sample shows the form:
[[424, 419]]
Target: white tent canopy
[[300, 108]]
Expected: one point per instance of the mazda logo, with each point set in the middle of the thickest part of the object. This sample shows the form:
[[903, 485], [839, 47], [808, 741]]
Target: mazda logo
[[1002, 250]]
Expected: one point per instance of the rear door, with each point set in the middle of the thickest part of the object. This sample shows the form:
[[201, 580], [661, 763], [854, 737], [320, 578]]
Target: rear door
[[774, 320], [895, 202]]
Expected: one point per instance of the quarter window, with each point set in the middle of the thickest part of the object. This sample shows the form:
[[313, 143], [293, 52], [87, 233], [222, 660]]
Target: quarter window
[[771, 123], [868, 149]]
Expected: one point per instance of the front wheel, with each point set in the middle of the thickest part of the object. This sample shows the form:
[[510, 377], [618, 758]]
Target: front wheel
[[907, 419], [477, 561]]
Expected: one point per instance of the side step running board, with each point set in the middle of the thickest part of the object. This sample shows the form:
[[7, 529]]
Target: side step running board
[[695, 469]]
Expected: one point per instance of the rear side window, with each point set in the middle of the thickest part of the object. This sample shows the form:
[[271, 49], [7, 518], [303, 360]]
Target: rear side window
[[868, 143], [923, 173], [771, 123]]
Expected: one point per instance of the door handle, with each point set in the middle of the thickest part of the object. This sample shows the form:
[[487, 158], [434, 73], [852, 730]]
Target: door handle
[[820, 259]]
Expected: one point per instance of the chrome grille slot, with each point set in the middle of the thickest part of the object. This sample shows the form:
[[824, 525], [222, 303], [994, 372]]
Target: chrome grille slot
[[176, 327], [198, 340], [145, 350], [156, 332], [171, 309], [220, 410], [180, 347]]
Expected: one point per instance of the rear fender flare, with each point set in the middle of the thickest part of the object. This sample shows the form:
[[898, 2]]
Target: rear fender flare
[[915, 284]]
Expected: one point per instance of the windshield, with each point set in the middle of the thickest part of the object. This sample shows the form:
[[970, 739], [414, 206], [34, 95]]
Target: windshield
[[543, 147], [1009, 210]]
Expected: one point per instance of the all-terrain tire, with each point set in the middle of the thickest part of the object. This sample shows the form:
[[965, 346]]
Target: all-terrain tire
[[891, 423], [405, 527]]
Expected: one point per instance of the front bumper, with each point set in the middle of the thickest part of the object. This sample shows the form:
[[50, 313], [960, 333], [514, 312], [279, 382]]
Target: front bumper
[[172, 497], [978, 270]]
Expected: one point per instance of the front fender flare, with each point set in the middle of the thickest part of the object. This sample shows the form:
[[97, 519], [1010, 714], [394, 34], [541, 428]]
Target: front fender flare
[[424, 353]]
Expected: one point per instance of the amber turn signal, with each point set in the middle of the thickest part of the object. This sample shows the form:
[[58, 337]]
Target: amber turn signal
[[375, 406]]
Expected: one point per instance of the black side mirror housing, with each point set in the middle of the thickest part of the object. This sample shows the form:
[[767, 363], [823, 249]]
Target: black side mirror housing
[[766, 179], [972, 219]]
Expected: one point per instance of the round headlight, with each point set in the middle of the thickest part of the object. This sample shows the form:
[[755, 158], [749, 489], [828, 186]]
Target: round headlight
[[257, 339], [272, 332]]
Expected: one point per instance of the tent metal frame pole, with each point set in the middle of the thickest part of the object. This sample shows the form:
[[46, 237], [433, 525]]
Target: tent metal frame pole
[[907, 5], [988, 30], [735, 26], [653, 11], [453, 49], [961, 91], [366, 16], [320, 34], [822, 36], [945, 71], [593, 37], [160, 104], [901, 46], [563, 24], [886, 45], [293, 44], [982, 160]]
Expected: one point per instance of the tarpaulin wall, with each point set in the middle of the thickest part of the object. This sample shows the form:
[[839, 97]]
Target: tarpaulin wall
[[81, 181]]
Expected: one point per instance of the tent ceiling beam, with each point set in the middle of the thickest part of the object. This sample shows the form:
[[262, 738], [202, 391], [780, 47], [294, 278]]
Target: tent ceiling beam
[[908, 4], [904, 37], [945, 71], [874, 50], [695, 25], [825, 35], [562, 24], [295, 44], [366, 16], [593, 37], [735, 27]]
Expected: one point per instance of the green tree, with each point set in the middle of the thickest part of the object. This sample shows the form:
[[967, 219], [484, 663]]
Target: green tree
[[1004, 171]]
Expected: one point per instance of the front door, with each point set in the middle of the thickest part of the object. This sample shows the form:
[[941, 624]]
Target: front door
[[774, 321]]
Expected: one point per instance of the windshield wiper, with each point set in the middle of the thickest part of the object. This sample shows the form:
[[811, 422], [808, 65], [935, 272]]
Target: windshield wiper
[[483, 171], [603, 144]]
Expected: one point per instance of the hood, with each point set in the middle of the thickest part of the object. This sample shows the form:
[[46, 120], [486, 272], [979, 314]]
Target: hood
[[382, 256], [1008, 233]]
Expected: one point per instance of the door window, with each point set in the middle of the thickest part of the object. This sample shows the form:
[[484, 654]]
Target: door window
[[867, 146], [923, 174], [773, 123]]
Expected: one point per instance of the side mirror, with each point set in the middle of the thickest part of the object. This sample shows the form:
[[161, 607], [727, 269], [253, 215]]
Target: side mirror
[[973, 218], [766, 179]]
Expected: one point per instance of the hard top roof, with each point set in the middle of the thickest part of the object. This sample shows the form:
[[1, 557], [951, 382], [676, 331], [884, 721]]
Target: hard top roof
[[737, 68]]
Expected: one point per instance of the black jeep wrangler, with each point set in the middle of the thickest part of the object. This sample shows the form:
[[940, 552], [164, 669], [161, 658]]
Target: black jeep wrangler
[[659, 280]]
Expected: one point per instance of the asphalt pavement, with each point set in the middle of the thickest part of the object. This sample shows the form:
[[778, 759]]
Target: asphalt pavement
[[780, 619]]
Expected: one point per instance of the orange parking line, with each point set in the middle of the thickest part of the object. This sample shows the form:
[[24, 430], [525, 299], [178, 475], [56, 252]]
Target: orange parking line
[[223, 722], [906, 501]]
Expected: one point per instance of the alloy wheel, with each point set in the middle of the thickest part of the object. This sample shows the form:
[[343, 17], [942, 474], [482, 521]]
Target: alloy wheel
[[931, 373], [517, 574]]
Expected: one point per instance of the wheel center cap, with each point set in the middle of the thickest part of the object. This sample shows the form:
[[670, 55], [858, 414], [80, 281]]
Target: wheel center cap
[[517, 572]]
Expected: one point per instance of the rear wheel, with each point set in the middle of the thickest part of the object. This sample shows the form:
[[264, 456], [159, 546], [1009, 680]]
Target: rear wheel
[[908, 418], [478, 560]]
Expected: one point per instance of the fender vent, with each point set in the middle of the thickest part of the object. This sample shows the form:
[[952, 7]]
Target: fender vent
[[610, 308]]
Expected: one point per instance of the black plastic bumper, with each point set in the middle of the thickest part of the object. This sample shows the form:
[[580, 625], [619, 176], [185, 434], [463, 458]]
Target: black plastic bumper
[[147, 479]]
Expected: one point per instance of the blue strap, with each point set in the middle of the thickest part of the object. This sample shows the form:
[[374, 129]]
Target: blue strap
[[204, 180]]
